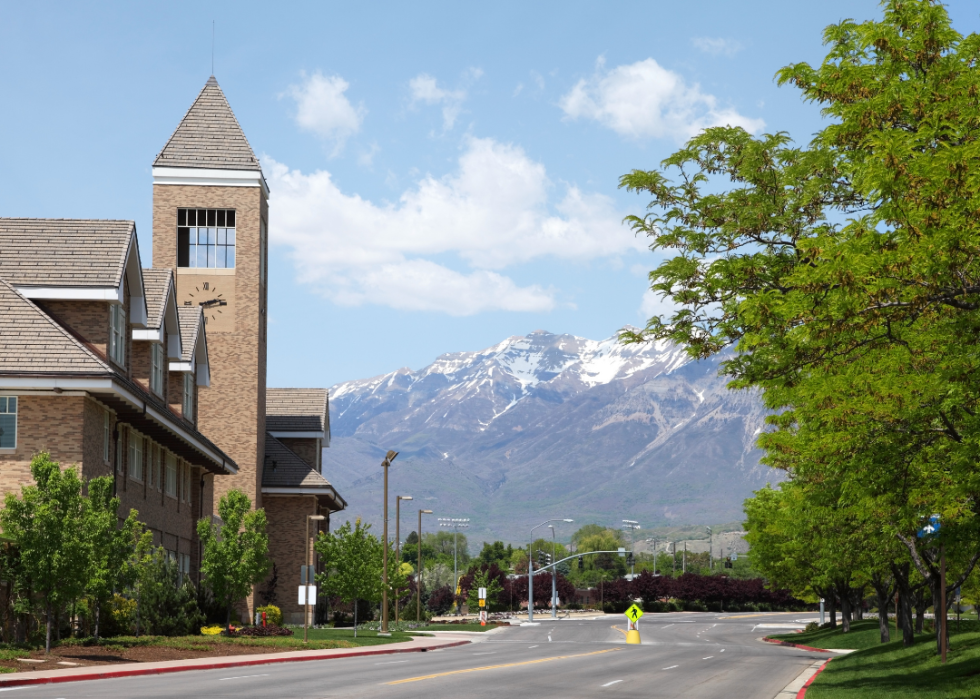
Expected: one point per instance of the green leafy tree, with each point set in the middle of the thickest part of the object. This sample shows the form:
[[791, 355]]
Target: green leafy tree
[[167, 598], [496, 552], [236, 554], [352, 564], [482, 578], [47, 521], [114, 551]]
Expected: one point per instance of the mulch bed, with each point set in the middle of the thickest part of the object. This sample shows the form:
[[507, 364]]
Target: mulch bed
[[81, 656]]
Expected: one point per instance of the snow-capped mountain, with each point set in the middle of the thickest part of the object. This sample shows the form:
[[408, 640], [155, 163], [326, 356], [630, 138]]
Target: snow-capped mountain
[[550, 426]]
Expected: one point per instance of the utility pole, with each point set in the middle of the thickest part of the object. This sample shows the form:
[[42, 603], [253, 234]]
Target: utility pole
[[710, 565], [632, 525], [684, 559], [418, 572], [398, 538], [530, 567]]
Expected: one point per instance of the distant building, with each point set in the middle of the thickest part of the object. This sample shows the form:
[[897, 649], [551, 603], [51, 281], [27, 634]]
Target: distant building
[[157, 376]]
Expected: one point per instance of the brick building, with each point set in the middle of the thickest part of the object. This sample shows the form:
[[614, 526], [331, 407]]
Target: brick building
[[157, 376]]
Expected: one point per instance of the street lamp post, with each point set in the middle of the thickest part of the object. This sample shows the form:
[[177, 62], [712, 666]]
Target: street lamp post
[[389, 457], [554, 557], [309, 575], [710, 542], [632, 525], [530, 567], [398, 540], [455, 524], [418, 571]]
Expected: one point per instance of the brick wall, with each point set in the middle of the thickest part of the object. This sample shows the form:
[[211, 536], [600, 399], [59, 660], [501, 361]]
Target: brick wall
[[303, 448], [286, 547], [89, 319], [232, 410]]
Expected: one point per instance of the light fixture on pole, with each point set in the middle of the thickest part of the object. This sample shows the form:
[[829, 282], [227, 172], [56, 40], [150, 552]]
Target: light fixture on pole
[[398, 541], [418, 572], [455, 524], [389, 457], [632, 525], [308, 581], [554, 557], [530, 567]]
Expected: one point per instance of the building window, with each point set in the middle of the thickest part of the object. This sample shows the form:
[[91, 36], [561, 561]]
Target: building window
[[262, 246], [151, 460], [117, 334], [206, 238], [159, 467], [184, 564], [135, 455], [156, 368], [119, 451], [171, 475], [188, 405], [106, 436], [8, 422]]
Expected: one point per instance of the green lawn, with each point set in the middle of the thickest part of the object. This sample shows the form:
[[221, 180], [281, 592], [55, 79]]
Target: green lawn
[[893, 672]]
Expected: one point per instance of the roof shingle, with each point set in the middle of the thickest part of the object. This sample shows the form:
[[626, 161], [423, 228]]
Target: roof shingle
[[64, 252], [209, 136], [156, 285], [296, 409], [32, 343], [190, 325], [284, 469]]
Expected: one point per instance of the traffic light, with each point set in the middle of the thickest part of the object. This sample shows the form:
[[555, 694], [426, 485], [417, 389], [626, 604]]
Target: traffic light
[[544, 559], [629, 559], [581, 562]]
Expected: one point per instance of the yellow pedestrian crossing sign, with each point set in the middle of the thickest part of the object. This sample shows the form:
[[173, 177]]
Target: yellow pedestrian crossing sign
[[634, 613]]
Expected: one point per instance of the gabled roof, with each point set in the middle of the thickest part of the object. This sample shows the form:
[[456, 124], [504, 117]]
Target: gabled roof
[[283, 472], [209, 136], [31, 342], [158, 284], [64, 252], [190, 328], [296, 410]]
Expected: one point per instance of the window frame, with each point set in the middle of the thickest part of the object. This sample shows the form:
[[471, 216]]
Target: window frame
[[156, 368], [136, 450], [117, 334], [217, 226], [171, 476], [6, 402], [187, 403]]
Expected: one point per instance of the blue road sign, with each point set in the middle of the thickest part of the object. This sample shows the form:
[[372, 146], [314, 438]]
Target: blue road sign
[[931, 529]]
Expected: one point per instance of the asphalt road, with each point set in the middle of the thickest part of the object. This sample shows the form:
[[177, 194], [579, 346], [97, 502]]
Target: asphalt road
[[682, 655]]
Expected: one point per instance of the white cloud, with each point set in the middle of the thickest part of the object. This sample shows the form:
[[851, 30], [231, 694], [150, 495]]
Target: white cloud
[[494, 211], [323, 108], [717, 46], [644, 100], [654, 305], [425, 89]]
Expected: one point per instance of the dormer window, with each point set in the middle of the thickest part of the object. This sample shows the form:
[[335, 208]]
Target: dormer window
[[206, 238], [156, 368], [117, 334]]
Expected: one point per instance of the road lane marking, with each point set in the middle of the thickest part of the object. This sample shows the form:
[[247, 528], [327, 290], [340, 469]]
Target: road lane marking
[[489, 652], [666, 627], [722, 650], [671, 667], [609, 684], [242, 677], [497, 667], [529, 647], [392, 662], [708, 658]]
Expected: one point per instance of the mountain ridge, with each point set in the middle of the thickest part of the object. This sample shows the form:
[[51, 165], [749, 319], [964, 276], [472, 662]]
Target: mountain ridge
[[554, 422]]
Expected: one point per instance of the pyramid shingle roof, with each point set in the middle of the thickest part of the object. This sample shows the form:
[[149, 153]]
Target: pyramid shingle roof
[[284, 469], [190, 326], [209, 136], [296, 410]]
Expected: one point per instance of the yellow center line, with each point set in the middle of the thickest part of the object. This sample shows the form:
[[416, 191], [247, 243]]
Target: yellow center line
[[497, 667], [618, 629]]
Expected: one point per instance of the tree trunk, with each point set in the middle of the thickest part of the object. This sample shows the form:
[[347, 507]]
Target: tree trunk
[[903, 612], [935, 587], [845, 611], [832, 601], [883, 593], [355, 617], [228, 613], [98, 611], [47, 628]]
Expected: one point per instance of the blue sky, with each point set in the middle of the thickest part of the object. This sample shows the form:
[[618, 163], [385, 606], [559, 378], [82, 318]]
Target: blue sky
[[443, 175]]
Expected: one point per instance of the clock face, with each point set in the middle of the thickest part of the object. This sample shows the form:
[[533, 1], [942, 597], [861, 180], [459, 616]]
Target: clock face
[[215, 296]]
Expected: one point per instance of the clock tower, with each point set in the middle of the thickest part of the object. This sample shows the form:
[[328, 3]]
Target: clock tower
[[210, 223]]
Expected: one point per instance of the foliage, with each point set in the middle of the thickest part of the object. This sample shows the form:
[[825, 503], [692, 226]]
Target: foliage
[[261, 631], [846, 275], [352, 563], [168, 601], [273, 615], [47, 522], [486, 575], [440, 600], [496, 553], [236, 553], [211, 630]]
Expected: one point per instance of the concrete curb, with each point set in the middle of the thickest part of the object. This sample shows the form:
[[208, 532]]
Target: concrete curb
[[802, 692], [797, 688], [98, 672], [796, 645]]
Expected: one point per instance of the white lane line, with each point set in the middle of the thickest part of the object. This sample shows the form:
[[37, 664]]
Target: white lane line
[[529, 647], [392, 662], [666, 627], [671, 667], [722, 650], [609, 684], [708, 658], [549, 639], [242, 677]]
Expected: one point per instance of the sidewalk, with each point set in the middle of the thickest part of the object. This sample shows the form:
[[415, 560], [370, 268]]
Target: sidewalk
[[102, 672]]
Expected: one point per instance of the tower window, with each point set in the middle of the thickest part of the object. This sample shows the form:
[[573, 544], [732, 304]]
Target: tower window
[[206, 238]]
